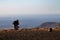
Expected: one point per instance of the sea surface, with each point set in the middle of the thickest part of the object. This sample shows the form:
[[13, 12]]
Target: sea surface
[[27, 21]]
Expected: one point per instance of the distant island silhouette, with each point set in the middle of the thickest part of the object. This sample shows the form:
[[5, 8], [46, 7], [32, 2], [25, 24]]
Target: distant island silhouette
[[50, 24]]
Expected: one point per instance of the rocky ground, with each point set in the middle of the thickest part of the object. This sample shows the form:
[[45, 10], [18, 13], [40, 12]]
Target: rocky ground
[[29, 34]]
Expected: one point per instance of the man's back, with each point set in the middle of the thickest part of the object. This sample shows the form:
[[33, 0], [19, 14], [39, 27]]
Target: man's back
[[16, 23]]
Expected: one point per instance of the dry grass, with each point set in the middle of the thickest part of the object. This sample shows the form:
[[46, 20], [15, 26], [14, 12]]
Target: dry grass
[[29, 34]]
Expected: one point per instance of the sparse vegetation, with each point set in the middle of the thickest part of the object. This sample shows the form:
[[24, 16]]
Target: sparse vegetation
[[29, 34]]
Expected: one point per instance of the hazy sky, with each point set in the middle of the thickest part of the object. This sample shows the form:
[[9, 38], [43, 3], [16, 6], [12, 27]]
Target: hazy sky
[[24, 7]]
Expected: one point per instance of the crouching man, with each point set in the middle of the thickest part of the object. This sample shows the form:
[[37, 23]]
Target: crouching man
[[50, 30]]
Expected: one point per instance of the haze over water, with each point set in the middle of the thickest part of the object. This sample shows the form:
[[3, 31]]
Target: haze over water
[[28, 21]]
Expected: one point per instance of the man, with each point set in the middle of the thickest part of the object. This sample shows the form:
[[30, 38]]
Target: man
[[16, 23]]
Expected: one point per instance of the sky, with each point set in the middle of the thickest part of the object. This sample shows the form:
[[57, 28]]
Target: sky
[[29, 7]]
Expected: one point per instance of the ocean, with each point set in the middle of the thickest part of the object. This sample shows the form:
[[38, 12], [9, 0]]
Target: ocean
[[27, 21]]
